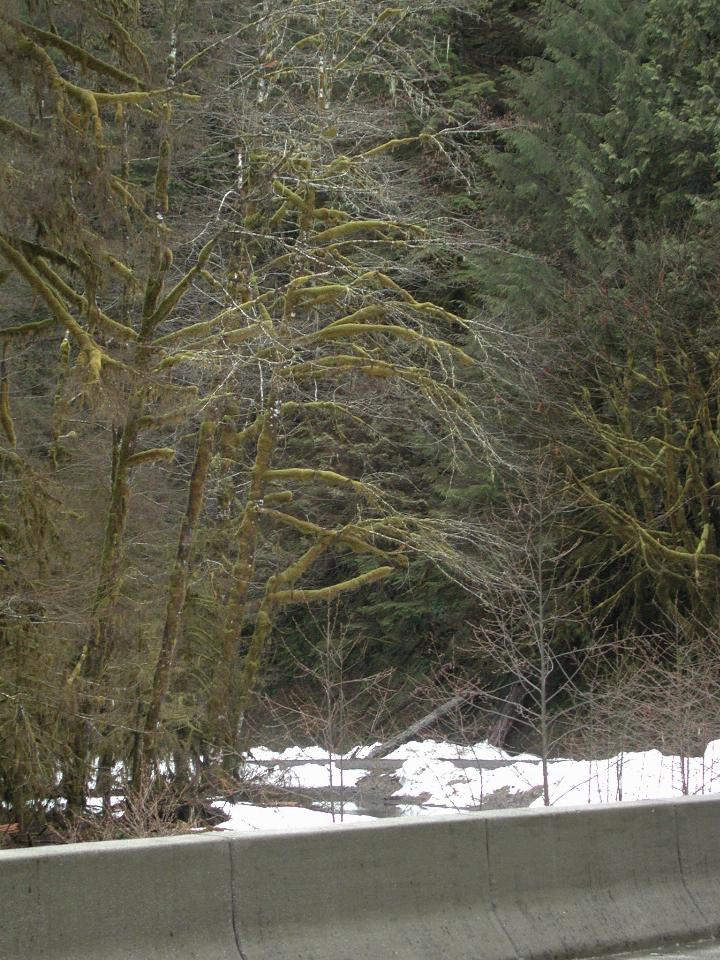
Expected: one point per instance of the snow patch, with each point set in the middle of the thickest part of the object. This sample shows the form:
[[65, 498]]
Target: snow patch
[[247, 817], [428, 774]]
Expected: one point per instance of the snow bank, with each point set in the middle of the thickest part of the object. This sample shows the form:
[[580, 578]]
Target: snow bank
[[247, 817], [438, 785]]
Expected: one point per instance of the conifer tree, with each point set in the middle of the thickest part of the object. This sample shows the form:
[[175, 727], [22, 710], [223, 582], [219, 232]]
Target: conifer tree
[[613, 170]]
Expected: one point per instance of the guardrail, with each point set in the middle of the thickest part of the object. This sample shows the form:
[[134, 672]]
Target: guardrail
[[496, 886]]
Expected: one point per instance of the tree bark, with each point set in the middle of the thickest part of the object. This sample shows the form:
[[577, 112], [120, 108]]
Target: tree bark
[[175, 603], [500, 729], [224, 707]]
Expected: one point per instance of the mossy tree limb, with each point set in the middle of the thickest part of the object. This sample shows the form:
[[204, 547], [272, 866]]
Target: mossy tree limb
[[6, 420], [95, 356], [224, 709], [145, 748]]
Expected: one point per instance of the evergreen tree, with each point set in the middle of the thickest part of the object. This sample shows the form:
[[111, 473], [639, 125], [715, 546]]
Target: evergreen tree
[[610, 179]]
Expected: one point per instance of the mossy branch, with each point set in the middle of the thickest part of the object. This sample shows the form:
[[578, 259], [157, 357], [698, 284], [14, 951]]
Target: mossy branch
[[90, 101], [291, 574], [281, 497], [421, 306], [94, 355], [26, 329], [372, 311], [76, 54], [225, 702], [349, 330], [249, 433], [191, 61], [324, 477], [341, 364], [305, 527], [326, 406], [352, 535], [324, 293], [347, 231], [122, 269], [113, 326], [329, 593], [169, 302], [35, 250], [384, 15], [263, 620], [331, 214], [121, 188], [162, 421], [177, 593], [284, 191], [162, 171], [671, 553], [214, 326], [150, 456], [5, 415], [174, 359], [625, 521], [16, 130], [703, 541], [126, 39], [141, 96], [392, 145], [235, 337]]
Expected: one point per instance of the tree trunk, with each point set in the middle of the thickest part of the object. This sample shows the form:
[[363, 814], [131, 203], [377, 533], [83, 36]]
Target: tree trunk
[[224, 704], [90, 665], [500, 729], [176, 601]]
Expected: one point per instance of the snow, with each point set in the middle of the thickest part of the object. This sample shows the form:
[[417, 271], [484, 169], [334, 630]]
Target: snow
[[428, 774], [634, 776], [248, 817], [315, 775], [312, 753], [291, 753], [95, 805], [442, 750], [446, 785], [646, 775]]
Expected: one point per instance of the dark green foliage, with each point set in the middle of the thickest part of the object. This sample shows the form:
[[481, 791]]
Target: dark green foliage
[[662, 141], [616, 122], [649, 415], [607, 182]]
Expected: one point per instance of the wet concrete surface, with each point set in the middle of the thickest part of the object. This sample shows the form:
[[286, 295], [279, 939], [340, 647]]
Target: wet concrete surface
[[707, 950]]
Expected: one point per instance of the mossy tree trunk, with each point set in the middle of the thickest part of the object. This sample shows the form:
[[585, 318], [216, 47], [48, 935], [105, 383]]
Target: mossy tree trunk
[[145, 748], [170, 304]]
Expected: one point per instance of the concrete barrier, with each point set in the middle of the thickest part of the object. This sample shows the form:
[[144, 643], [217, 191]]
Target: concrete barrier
[[496, 886], [121, 900]]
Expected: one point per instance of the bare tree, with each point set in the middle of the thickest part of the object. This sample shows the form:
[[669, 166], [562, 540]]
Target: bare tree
[[203, 315], [530, 634], [658, 690]]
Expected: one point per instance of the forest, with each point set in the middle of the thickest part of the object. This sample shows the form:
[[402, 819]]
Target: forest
[[356, 359]]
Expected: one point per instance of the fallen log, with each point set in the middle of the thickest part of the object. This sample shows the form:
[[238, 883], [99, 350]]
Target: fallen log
[[382, 749]]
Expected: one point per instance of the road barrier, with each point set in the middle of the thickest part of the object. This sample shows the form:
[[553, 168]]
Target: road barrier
[[490, 886]]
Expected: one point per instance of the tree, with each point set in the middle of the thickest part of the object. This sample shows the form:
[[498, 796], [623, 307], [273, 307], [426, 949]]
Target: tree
[[613, 157], [208, 341], [528, 640], [648, 414], [101, 265]]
